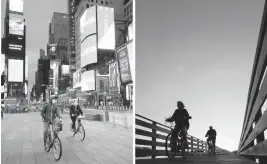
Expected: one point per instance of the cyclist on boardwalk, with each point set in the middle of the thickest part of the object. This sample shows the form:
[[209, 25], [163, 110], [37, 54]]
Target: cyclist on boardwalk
[[211, 134], [75, 111], [49, 113], [181, 118]]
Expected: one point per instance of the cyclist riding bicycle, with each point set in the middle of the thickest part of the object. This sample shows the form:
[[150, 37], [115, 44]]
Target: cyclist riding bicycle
[[49, 113], [181, 118], [211, 134], [75, 111]]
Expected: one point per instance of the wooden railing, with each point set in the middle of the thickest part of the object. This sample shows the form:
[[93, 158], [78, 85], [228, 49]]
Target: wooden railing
[[252, 141], [152, 135]]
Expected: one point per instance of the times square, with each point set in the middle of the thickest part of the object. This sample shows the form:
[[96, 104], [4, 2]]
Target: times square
[[83, 58]]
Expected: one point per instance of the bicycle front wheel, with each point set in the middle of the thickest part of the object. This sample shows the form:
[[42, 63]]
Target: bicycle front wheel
[[81, 132], [169, 148], [57, 148]]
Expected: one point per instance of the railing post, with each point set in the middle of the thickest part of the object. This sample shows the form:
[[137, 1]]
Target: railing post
[[192, 145], [154, 134]]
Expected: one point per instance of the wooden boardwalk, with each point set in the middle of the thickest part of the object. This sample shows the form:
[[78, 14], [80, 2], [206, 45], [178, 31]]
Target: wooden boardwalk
[[224, 159]]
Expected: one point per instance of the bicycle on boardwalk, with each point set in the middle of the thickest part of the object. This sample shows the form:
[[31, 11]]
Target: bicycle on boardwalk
[[80, 129], [211, 134], [176, 144]]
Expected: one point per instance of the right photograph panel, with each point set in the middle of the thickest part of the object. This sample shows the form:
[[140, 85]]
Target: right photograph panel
[[201, 81]]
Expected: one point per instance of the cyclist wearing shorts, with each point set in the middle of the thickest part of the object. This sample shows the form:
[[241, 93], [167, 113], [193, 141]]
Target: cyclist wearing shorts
[[75, 111], [181, 118], [49, 113]]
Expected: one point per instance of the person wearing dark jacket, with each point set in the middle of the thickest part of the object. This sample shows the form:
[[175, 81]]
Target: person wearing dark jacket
[[181, 119], [75, 111]]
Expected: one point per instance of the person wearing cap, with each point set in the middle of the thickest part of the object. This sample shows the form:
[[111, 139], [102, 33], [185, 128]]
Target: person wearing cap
[[49, 113], [211, 134]]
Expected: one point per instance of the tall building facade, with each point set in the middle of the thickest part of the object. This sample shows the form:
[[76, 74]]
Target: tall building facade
[[78, 11], [14, 49], [59, 35]]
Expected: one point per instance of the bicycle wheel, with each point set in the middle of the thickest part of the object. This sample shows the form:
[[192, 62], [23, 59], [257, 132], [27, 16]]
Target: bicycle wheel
[[57, 147], [48, 142], [169, 153], [81, 132]]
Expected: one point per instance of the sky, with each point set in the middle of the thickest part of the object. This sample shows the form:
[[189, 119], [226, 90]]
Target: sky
[[201, 53], [38, 15]]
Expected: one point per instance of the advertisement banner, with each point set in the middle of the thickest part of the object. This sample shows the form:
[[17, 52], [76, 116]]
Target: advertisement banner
[[88, 81], [77, 79], [15, 46], [65, 70], [88, 22], [130, 50], [88, 51], [113, 78], [15, 70], [106, 28], [102, 83], [16, 24], [54, 65], [124, 66], [52, 49], [16, 5]]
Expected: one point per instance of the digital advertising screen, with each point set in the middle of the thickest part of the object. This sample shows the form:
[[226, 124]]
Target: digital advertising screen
[[124, 65], [77, 79], [88, 51], [130, 31], [131, 56], [16, 24], [88, 81], [52, 49], [65, 70], [16, 5], [106, 28], [114, 77], [88, 22], [26, 67], [15, 70]]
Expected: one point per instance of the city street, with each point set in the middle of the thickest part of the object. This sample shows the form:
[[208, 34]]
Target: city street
[[22, 142]]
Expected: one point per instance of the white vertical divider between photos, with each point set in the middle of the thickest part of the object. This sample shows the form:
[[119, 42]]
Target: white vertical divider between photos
[[134, 82]]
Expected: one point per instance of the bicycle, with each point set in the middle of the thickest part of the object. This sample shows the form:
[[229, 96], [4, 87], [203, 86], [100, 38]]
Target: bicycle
[[211, 148], [179, 144], [54, 141], [79, 129]]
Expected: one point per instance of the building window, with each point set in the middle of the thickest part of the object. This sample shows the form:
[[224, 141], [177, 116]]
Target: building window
[[101, 2], [106, 2]]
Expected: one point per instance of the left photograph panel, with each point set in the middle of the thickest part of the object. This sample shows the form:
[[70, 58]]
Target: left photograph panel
[[67, 81]]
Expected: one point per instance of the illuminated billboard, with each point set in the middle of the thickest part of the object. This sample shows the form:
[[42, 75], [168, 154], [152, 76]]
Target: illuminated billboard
[[130, 50], [130, 32], [88, 22], [52, 49], [124, 65], [16, 5], [26, 67], [54, 65], [15, 70], [16, 24], [77, 79], [65, 70], [88, 81], [106, 28], [114, 78], [88, 51]]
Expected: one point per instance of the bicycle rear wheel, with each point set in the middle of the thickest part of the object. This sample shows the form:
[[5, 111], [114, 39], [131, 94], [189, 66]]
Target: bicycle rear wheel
[[57, 147], [81, 132], [168, 146]]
